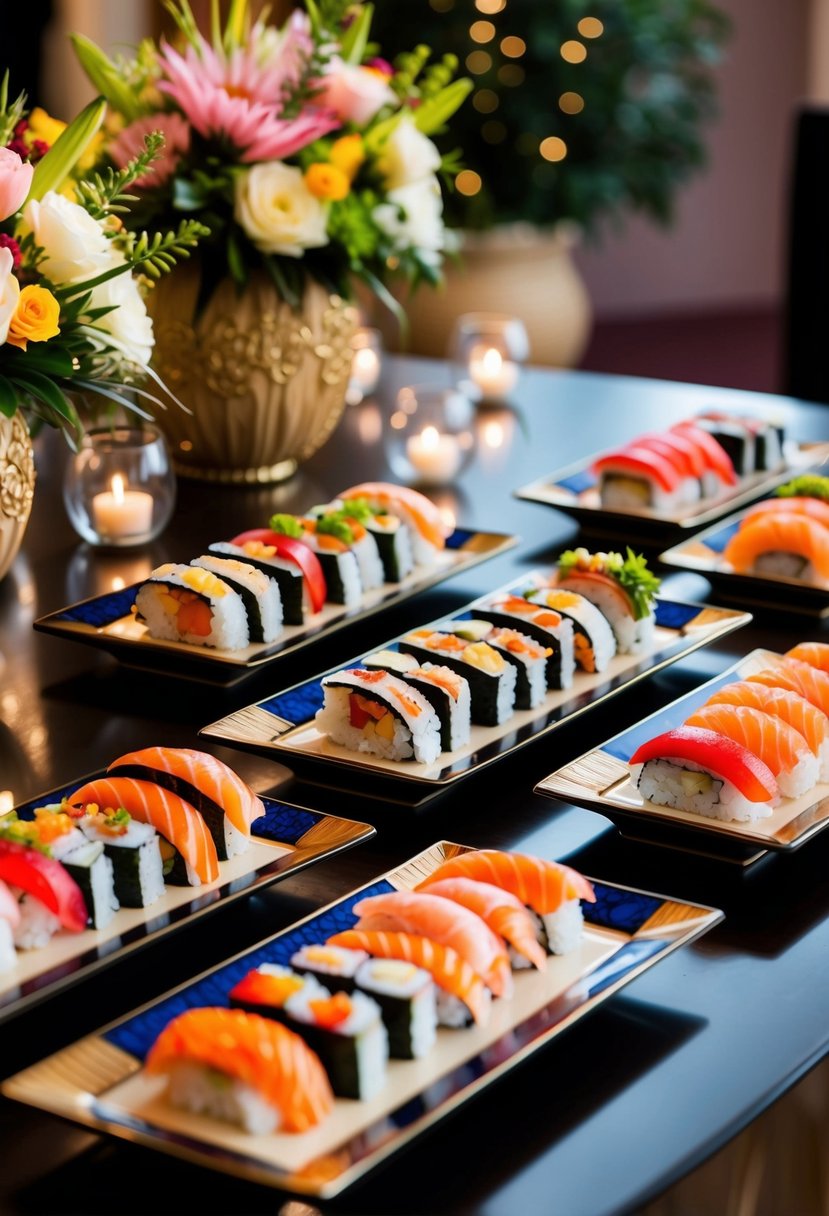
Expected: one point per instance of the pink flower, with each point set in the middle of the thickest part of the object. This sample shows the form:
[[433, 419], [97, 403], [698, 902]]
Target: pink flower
[[15, 182], [355, 94], [239, 97], [130, 142]]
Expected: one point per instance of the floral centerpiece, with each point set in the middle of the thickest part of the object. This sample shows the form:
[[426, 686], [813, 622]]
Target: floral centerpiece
[[310, 160], [74, 326]]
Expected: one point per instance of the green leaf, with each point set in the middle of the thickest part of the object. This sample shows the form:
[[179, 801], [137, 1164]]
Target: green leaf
[[280, 281], [235, 261], [354, 41], [9, 398], [385, 296], [433, 114], [41, 359], [235, 27], [44, 388], [68, 148], [105, 77]]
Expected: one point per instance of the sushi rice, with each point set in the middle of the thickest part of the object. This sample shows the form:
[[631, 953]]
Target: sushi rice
[[414, 734], [671, 782]]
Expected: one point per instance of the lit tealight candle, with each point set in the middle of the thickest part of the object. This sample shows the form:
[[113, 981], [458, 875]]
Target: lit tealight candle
[[494, 375], [365, 366], [119, 513], [437, 458]]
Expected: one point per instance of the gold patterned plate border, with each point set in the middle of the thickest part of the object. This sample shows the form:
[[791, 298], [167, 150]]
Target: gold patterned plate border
[[573, 490], [702, 554], [599, 780], [287, 839], [283, 724], [99, 1081], [106, 621]]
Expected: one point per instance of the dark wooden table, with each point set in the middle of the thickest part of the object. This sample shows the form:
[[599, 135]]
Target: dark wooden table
[[622, 1104]]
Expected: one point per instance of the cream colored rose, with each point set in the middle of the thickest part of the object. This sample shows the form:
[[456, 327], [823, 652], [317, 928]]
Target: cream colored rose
[[407, 156], [413, 217], [9, 292], [75, 244], [278, 211], [128, 325]]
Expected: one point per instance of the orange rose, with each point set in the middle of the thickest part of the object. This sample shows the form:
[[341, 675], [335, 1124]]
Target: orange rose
[[347, 153], [35, 318], [326, 181]]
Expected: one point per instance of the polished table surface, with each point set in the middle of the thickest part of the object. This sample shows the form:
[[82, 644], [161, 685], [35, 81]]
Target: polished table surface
[[620, 1105]]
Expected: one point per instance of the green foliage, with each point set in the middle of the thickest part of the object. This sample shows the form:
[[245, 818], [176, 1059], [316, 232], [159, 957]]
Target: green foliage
[[10, 112], [647, 84], [103, 194], [807, 485]]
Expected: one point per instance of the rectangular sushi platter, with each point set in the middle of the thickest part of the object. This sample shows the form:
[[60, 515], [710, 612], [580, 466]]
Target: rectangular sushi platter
[[284, 724], [600, 781], [574, 490], [100, 1082], [285, 840], [109, 623], [702, 554]]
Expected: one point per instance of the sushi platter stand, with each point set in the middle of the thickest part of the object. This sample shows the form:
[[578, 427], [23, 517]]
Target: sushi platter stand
[[617, 1107]]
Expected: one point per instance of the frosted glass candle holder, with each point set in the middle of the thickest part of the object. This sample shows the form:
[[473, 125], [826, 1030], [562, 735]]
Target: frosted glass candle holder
[[365, 364], [429, 435], [487, 351], [120, 488]]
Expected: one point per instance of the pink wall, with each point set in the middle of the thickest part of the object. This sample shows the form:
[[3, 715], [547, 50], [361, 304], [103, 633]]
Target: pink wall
[[726, 246]]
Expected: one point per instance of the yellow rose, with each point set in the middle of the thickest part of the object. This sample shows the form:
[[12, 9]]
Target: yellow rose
[[35, 318], [43, 126], [326, 181], [347, 153]]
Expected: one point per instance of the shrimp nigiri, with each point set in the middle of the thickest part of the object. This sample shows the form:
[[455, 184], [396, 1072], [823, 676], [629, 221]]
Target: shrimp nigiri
[[442, 921], [502, 911]]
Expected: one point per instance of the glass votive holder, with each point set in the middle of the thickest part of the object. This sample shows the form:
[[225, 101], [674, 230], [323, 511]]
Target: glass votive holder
[[120, 488], [487, 351], [365, 364], [429, 436]]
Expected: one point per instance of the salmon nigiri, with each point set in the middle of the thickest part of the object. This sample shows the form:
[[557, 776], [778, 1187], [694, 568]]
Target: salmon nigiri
[[778, 745], [784, 703], [274, 1082], [803, 542], [204, 781], [794, 674], [502, 911], [442, 921], [462, 991], [816, 654], [173, 818], [816, 508], [550, 889]]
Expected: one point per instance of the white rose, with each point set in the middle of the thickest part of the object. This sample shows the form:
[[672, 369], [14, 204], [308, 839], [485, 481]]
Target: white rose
[[413, 216], [75, 244], [407, 156], [9, 292], [128, 324], [278, 211]]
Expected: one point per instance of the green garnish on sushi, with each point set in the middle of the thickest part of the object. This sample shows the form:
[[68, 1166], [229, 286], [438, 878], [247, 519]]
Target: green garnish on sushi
[[335, 524], [22, 831], [359, 509], [631, 572], [286, 525], [807, 485]]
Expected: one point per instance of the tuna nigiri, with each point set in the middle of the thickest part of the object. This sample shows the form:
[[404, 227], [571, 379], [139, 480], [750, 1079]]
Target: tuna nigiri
[[782, 543], [550, 889], [783, 703], [698, 770], [274, 1082], [462, 992], [778, 745], [44, 878], [173, 818], [442, 921], [502, 911]]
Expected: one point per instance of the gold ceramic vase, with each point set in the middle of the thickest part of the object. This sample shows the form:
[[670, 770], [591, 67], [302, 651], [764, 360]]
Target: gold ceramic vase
[[264, 384], [17, 485]]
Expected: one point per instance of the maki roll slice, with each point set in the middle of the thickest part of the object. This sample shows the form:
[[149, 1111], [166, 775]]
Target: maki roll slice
[[333, 519], [623, 588], [391, 533], [548, 629], [265, 990], [332, 966], [446, 691], [281, 570], [427, 529], [375, 712], [181, 603], [406, 995], [94, 873], [490, 677], [133, 850], [347, 1033], [259, 594], [593, 641], [339, 564]]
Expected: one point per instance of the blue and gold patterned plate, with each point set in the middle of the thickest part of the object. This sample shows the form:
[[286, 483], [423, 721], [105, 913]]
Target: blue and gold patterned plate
[[286, 839], [100, 1081], [109, 623], [283, 725]]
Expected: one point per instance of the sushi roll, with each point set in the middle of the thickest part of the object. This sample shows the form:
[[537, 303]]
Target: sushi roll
[[781, 748], [286, 574], [704, 773], [334, 520], [781, 543], [593, 642], [490, 677], [49, 897], [754, 444], [228, 804], [553, 892], [185, 604], [546, 628], [9, 920], [331, 965], [259, 594], [375, 712], [93, 871], [462, 996], [637, 476], [391, 533], [241, 1069], [446, 691], [427, 529], [346, 1031], [133, 850], [340, 567], [622, 588], [406, 996], [719, 474], [265, 989]]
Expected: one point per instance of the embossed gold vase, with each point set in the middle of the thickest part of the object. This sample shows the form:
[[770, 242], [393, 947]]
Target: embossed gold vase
[[17, 485], [265, 385]]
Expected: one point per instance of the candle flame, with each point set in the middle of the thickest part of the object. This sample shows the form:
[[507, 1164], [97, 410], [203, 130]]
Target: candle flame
[[430, 438], [492, 362], [6, 801], [118, 487]]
